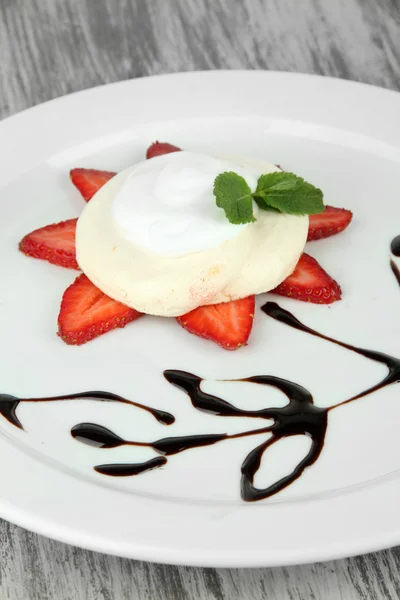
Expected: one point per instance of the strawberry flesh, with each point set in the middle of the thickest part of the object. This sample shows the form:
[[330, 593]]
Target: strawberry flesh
[[228, 324], [89, 181], [86, 313], [160, 148], [54, 243], [310, 283], [330, 222]]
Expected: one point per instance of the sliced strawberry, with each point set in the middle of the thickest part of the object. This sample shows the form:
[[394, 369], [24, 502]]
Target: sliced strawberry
[[54, 243], [310, 283], [86, 313], [330, 222], [89, 181], [228, 324], [159, 148]]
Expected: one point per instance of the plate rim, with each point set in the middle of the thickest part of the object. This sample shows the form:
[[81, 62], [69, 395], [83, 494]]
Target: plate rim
[[15, 510]]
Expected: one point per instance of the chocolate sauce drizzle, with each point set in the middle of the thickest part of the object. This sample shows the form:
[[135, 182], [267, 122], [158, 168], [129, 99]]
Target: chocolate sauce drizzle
[[395, 270], [299, 417], [395, 250], [9, 404], [127, 470]]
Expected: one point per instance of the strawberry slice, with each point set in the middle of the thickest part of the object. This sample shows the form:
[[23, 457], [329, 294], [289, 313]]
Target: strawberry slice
[[310, 283], [54, 243], [228, 324], [86, 313], [330, 222], [160, 148], [89, 181]]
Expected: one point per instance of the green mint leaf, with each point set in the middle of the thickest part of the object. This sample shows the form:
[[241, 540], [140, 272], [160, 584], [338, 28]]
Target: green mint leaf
[[289, 194], [234, 196]]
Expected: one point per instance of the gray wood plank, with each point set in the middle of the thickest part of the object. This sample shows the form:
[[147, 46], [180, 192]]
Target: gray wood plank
[[52, 47]]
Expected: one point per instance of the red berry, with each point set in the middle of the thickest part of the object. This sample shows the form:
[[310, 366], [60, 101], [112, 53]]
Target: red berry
[[310, 283], [89, 181], [54, 243], [330, 222], [160, 148], [86, 313], [228, 324]]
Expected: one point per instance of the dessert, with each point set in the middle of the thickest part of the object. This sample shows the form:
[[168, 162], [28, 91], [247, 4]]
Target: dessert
[[154, 239]]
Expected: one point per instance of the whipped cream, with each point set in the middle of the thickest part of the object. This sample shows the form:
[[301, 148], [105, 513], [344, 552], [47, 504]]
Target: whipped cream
[[167, 205], [134, 265]]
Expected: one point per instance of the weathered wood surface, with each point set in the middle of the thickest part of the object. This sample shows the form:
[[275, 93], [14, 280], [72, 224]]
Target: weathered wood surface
[[52, 47]]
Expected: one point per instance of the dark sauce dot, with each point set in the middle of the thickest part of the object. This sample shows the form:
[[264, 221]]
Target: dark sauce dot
[[395, 246]]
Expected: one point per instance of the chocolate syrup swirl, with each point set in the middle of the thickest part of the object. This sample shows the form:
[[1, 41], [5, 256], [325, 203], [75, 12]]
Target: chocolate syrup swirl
[[9, 404], [393, 364], [101, 437], [395, 250], [395, 270], [127, 470], [299, 417]]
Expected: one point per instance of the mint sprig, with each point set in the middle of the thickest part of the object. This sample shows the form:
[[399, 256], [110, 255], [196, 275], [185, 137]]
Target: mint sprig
[[289, 194], [279, 191], [234, 195]]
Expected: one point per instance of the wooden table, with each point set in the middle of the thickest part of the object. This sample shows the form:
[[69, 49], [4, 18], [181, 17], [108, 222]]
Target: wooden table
[[52, 47]]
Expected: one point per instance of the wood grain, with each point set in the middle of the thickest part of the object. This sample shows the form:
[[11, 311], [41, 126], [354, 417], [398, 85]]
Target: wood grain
[[52, 47]]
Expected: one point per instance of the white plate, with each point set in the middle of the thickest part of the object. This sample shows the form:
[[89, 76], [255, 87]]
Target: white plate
[[344, 137]]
